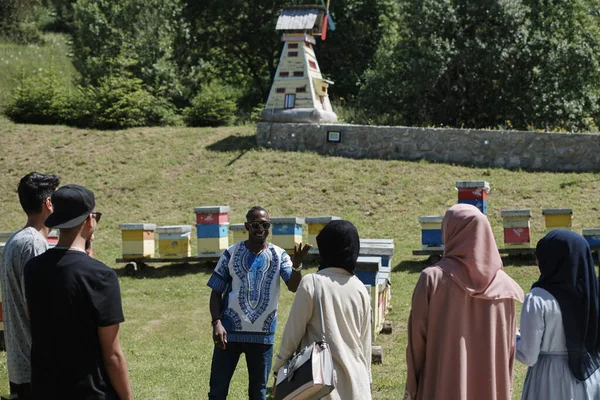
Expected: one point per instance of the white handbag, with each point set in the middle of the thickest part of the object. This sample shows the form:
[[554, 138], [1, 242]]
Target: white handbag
[[309, 375]]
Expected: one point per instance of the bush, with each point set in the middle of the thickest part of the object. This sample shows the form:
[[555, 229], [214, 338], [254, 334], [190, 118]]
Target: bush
[[41, 99], [116, 103], [120, 102], [214, 105]]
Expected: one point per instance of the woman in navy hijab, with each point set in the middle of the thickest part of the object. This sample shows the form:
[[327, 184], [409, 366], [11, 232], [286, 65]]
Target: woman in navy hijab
[[560, 332]]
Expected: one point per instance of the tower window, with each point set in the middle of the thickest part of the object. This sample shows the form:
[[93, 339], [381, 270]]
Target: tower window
[[298, 73], [284, 74], [301, 89], [292, 54], [280, 90], [312, 64], [290, 101], [324, 89], [292, 45]]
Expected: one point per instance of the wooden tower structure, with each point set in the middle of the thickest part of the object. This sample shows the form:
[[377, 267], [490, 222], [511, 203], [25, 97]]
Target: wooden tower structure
[[299, 92]]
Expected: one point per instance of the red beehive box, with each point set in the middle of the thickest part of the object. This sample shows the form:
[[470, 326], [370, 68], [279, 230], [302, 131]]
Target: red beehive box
[[212, 215]]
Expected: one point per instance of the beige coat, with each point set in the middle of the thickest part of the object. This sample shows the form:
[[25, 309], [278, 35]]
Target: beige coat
[[347, 316]]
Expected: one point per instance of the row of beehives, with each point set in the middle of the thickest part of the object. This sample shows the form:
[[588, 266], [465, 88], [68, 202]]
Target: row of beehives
[[516, 222], [212, 234]]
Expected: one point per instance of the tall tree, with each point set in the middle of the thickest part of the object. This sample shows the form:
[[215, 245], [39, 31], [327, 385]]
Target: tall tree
[[483, 64], [128, 37], [238, 39]]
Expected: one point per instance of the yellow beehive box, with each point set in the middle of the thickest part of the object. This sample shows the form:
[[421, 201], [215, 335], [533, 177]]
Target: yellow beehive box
[[212, 247], [137, 240], [557, 218], [174, 241], [315, 226], [240, 234]]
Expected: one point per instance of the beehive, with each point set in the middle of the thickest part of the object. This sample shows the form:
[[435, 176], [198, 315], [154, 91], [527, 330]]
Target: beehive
[[240, 234], [174, 241], [286, 232], [593, 237], [474, 193], [137, 240], [315, 225], [212, 230], [52, 238], [431, 232], [516, 228], [557, 218]]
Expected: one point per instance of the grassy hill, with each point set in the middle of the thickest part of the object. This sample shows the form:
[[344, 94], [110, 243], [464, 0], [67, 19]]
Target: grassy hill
[[159, 175], [18, 61]]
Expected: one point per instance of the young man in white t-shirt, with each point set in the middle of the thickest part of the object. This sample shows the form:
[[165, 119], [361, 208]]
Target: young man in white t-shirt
[[34, 191], [243, 305]]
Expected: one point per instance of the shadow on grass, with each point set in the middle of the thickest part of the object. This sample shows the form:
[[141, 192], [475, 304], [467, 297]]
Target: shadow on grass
[[167, 270], [524, 260], [415, 267], [412, 266], [243, 144]]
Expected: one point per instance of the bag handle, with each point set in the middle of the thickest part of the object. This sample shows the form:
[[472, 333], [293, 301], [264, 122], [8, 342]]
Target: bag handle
[[320, 306]]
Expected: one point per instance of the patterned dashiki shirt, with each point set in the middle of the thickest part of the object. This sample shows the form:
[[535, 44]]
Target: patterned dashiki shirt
[[250, 286]]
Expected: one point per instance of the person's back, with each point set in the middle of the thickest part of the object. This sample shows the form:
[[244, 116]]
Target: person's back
[[20, 248], [346, 306], [462, 324], [347, 315], [468, 338], [558, 337], [75, 310], [34, 191], [66, 298]]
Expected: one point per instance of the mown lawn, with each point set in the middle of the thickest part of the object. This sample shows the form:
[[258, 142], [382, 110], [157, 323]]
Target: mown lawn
[[159, 175]]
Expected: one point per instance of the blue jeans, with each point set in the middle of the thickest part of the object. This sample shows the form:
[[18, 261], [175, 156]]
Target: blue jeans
[[224, 362]]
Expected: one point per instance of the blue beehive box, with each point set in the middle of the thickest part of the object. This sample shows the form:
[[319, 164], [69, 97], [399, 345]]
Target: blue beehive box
[[212, 231], [431, 232], [368, 269], [592, 236]]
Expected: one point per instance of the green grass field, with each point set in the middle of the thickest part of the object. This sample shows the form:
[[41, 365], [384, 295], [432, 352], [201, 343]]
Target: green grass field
[[18, 61], [159, 175]]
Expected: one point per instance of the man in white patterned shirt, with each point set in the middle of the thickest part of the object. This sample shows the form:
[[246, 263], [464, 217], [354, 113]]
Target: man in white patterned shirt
[[34, 195], [243, 305]]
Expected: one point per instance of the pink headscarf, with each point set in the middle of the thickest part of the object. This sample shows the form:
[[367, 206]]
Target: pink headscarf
[[471, 257]]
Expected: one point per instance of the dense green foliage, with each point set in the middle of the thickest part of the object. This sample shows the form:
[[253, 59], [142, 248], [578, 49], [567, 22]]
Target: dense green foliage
[[115, 37], [18, 21], [115, 103], [525, 64], [214, 105]]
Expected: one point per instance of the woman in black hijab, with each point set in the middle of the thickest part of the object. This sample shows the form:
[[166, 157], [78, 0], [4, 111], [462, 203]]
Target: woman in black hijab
[[560, 332], [346, 308]]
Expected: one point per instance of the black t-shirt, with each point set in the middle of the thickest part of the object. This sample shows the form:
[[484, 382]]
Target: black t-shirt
[[69, 296]]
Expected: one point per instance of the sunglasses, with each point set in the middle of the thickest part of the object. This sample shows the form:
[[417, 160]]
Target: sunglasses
[[96, 215], [257, 225]]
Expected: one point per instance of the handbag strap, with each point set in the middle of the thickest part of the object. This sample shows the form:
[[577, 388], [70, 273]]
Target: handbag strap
[[320, 307]]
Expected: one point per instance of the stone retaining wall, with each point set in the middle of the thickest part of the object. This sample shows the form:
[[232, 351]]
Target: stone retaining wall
[[506, 149]]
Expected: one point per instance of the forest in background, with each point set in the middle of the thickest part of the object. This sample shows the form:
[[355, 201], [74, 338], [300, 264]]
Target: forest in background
[[506, 64]]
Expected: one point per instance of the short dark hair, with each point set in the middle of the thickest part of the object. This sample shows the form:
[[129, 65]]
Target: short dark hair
[[34, 188], [255, 209]]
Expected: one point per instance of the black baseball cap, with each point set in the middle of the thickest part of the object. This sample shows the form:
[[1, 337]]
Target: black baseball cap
[[72, 205]]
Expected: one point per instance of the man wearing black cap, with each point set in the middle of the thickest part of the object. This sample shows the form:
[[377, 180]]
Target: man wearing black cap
[[75, 309]]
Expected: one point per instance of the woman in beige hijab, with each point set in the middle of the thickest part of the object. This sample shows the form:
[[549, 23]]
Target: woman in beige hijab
[[462, 325]]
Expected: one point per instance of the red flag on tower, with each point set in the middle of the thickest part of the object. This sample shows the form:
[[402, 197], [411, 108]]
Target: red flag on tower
[[324, 30]]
